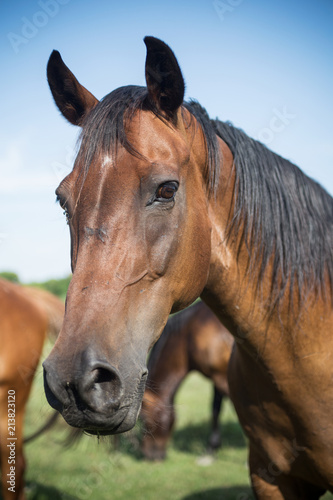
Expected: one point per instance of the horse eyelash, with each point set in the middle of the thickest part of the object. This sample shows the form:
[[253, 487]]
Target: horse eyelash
[[65, 210]]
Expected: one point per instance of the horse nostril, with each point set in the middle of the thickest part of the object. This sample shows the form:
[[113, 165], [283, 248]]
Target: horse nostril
[[103, 376], [102, 387]]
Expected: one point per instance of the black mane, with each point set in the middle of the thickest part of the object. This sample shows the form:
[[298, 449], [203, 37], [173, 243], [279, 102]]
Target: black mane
[[282, 216]]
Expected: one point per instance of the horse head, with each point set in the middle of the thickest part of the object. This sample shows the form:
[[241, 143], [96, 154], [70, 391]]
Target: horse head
[[137, 211]]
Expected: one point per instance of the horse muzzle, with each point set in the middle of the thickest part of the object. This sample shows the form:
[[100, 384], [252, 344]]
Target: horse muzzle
[[95, 399]]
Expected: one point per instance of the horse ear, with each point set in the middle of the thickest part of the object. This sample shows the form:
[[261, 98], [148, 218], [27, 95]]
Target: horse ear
[[73, 100], [164, 78]]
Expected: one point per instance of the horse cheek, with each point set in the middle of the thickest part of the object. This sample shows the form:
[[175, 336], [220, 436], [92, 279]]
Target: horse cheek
[[195, 269], [162, 246]]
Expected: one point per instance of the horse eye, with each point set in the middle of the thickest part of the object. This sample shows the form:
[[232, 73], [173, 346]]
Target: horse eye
[[63, 205], [166, 191], [61, 202]]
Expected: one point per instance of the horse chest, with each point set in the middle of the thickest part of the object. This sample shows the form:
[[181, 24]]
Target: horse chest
[[288, 422]]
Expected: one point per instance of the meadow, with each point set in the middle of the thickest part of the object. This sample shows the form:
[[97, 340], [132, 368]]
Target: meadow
[[101, 470]]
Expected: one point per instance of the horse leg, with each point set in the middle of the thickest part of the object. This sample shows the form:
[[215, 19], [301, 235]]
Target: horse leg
[[270, 484], [158, 416], [215, 439]]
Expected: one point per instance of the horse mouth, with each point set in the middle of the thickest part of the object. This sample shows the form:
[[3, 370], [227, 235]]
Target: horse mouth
[[101, 423], [123, 423]]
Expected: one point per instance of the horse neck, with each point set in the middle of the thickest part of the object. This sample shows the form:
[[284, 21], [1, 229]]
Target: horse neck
[[248, 310], [229, 292]]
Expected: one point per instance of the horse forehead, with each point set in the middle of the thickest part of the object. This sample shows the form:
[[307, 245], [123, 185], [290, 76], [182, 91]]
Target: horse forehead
[[160, 146], [156, 139]]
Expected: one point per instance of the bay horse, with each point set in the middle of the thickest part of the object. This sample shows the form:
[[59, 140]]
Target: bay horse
[[26, 316], [165, 205], [193, 339]]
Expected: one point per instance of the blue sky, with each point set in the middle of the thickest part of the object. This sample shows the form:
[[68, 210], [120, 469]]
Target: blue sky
[[266, 66]]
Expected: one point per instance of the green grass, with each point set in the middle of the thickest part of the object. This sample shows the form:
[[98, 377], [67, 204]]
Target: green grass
[[96, 470]]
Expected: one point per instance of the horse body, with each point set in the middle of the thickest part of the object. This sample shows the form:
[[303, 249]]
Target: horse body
[[276, 376], [285, 438], [284, 411], [24, 321], [192, 340], [173, 206]]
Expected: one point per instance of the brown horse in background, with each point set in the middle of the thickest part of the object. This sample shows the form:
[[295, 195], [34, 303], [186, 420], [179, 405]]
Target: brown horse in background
[[165, 205], [193, 339], [26, 316]]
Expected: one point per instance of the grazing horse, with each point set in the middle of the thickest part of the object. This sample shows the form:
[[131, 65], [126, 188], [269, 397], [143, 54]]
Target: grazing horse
[[192, 340], [165, 205], [26, 315]]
